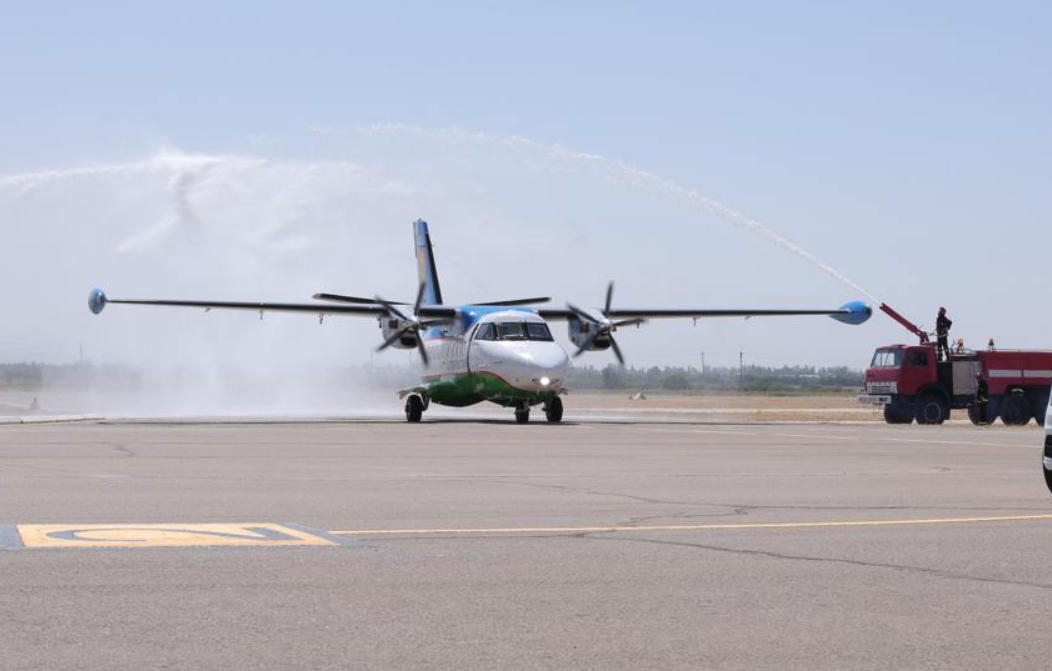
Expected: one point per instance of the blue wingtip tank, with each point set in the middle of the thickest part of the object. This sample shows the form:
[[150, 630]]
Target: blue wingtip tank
[[854, 313], [97, 300]]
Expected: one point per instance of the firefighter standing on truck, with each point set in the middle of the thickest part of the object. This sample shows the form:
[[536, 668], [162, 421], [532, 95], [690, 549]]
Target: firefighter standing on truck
[[942, 332]]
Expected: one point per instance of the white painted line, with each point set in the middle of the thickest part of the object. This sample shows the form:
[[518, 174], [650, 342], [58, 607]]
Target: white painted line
[[48, 419]]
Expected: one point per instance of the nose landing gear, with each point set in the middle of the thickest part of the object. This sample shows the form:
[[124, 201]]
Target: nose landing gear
[[553, 410]]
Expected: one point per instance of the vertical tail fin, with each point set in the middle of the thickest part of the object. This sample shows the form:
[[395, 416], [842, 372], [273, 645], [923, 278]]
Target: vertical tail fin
[[425, 264]]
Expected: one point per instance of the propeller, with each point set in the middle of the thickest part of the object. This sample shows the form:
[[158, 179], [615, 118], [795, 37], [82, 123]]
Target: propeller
[[604, 326], [414, 324]]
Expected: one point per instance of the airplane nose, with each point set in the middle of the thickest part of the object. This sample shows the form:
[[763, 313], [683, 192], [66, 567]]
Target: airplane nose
[[543, 369]]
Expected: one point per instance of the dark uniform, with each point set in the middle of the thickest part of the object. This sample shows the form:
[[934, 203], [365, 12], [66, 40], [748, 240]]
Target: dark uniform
[[982, 401], [942, 331]]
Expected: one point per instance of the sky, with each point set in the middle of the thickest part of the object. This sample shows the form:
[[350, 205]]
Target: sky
[[269, 150]]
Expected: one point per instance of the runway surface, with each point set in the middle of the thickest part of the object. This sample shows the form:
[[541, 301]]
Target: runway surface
[[459, 545]]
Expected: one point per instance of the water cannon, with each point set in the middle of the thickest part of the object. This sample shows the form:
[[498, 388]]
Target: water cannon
[[854, 313], [909, 326]]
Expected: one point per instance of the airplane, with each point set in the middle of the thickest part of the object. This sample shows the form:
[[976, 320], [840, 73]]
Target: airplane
[[497, 351]]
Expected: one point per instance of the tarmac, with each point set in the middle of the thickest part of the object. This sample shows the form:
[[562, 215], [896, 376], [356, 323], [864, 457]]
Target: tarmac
[[596, 544]]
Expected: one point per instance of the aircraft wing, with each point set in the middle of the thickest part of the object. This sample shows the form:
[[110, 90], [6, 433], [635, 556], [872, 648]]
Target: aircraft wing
[[852, 313], [98, 300]]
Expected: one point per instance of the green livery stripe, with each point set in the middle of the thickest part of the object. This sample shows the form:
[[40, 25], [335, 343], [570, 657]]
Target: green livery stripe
[[472, 388]]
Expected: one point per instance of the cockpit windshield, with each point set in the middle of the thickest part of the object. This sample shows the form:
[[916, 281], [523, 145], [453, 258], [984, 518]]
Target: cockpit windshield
[[538, 331], [511, 331], [514, 331]]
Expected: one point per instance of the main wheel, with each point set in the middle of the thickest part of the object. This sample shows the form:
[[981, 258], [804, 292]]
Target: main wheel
[[522, 415], [553, 410], [896, 414], [1015, 411], [932, 409], [414, 409], [1044, 466]]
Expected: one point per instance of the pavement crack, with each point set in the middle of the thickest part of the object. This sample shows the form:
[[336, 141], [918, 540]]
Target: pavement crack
[[919, 570], [683, 515]]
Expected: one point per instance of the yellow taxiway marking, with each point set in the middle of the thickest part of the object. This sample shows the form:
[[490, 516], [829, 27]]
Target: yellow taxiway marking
[[689, 527], [163, 535]]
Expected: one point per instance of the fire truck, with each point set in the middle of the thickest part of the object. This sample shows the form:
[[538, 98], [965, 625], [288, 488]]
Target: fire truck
[[911, 383]]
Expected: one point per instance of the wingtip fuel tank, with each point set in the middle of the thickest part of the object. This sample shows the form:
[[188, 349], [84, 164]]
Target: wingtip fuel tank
[[97, 300], [854, 313]]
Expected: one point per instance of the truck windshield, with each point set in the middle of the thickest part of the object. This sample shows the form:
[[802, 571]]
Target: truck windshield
[[887, 358]]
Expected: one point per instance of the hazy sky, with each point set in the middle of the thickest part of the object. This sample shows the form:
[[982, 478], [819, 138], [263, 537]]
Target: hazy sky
[[270, 150]]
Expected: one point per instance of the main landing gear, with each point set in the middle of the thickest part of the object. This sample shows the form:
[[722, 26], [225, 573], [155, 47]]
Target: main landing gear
[[414, 408]]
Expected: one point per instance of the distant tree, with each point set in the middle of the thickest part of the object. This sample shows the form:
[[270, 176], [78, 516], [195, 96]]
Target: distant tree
[[612, 378], [676, 382]]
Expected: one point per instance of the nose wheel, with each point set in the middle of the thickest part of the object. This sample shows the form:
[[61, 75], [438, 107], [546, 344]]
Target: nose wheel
[[522, 414], [553, 410]]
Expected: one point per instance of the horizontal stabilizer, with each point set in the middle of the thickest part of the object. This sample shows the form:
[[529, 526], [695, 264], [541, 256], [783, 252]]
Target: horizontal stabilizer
[[515, 301], [340, 298]]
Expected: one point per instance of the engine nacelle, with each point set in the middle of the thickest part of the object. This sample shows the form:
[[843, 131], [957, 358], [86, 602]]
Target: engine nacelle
[[392, 325], [580, 333]]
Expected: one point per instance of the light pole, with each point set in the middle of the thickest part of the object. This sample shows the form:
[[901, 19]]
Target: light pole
[[741, 369]]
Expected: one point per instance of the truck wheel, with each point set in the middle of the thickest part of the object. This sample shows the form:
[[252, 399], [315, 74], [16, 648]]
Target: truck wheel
[[553, 410], [1040, 408], [932, 409], [414, 409], [896, 414], [1015, 411]]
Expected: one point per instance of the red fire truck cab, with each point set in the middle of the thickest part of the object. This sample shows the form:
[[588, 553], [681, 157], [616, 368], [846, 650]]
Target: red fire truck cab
[[911, 383]]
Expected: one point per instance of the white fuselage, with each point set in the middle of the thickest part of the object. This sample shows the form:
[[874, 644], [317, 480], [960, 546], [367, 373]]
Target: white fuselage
[[532, 362]]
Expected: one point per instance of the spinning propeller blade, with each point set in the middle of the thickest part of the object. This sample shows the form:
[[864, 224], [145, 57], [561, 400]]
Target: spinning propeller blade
[[603, 327], [413, 324]]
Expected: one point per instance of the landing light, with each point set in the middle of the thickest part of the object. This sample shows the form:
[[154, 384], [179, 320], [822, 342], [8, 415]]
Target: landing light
[[545, 381]]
